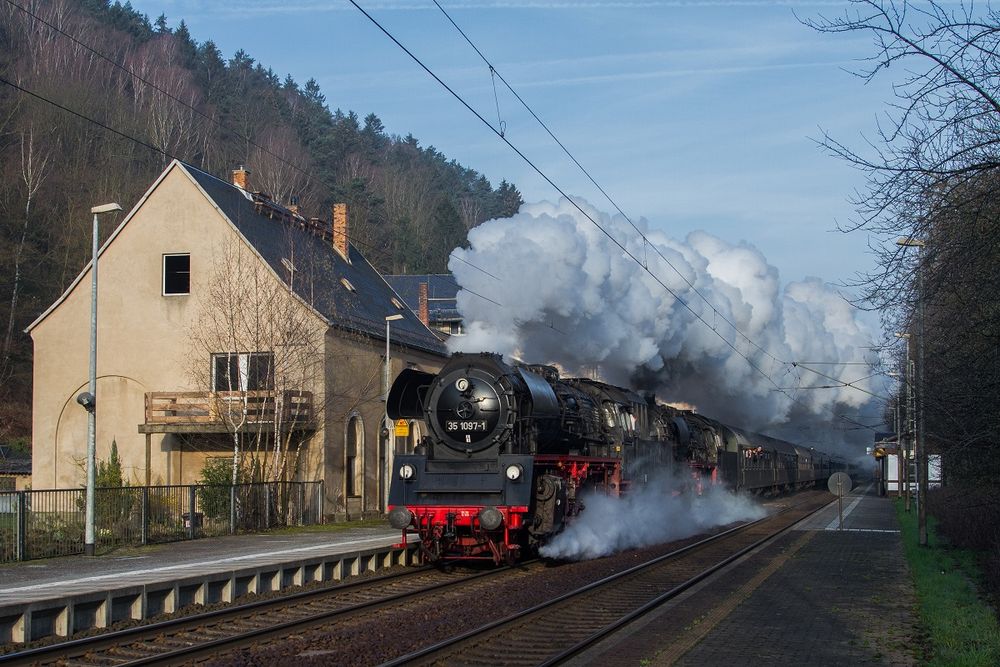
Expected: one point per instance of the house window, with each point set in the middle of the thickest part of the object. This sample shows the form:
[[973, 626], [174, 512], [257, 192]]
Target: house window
[[176, 274], [243, 371], [354, 457], [8, 483]]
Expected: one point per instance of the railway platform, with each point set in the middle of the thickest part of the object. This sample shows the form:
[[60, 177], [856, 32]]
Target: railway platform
[[817, 595], [61, 596]]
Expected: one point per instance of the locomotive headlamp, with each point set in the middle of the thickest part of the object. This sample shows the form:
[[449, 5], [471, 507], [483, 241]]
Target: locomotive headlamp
[[462, 384], [514, 472], [490, 518], [406, 471], [400, 517]]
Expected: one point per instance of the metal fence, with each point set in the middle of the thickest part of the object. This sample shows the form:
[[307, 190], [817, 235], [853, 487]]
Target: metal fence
[[40, 524]]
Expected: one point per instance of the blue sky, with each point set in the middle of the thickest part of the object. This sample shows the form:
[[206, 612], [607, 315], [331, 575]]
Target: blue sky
[[694, 115]]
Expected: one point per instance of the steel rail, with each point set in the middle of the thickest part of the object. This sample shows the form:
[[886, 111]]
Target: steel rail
[[442, 647], [63, 651], [674, 592]]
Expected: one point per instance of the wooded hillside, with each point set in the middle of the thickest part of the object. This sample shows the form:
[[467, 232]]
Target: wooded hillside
[[96, 100]]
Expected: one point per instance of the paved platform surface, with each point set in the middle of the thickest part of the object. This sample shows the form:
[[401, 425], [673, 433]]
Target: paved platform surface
[[36, 580], [817, 595]]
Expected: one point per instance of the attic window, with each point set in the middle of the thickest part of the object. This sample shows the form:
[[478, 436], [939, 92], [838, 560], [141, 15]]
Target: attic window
[[347, 284], [396, 303], [176, 274]]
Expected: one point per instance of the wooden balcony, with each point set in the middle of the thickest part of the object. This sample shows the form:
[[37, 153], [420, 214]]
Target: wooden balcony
[[228, 411]]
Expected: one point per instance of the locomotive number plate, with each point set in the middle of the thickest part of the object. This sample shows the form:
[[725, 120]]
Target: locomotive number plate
[[465, 426]]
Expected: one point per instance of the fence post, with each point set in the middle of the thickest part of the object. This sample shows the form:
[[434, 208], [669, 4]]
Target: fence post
[[302, 503], [320, 516], [145, 515], [267, 505], [191, 518], [22, 525], [232, 509]]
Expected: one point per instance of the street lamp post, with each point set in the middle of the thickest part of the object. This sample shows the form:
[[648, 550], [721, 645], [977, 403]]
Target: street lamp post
[[920, 440], [88, 399], [906, 380], [387, 421]]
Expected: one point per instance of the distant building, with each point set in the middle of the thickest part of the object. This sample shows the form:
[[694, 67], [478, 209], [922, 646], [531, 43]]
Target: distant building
[[15, 469], [227, 319], [434, 293]]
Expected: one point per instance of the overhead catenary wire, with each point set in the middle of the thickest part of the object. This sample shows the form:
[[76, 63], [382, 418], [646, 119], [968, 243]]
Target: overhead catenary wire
[[243, 136], [495, 73], [573, 202], [170, 156], [499, 132]]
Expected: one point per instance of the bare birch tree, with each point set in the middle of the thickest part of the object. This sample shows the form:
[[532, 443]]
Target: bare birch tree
[[259, 349], [34, 165]]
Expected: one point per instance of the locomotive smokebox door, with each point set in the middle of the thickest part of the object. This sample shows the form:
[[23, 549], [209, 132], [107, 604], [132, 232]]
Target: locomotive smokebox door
[[471, 408]]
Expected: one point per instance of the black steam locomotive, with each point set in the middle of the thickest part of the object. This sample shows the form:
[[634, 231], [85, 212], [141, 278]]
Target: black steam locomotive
[[511, 448]]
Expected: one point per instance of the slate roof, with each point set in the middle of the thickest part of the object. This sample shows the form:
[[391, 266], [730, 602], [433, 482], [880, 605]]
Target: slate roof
[[441, 292], [14, 463], [292, 245]]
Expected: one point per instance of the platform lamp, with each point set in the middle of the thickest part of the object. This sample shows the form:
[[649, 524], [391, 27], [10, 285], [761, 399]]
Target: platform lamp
[[88, 399], [388, 422], [906, 380], [920, 443]]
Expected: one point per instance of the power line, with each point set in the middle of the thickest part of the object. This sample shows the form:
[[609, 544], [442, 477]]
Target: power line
[[494, 73], [88, 119], [243, 136], [645, 239], [628, 253], [552, 183]]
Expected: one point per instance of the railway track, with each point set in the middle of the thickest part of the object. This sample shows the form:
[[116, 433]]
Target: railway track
[[543, 635], [557, 630], [195, 637]]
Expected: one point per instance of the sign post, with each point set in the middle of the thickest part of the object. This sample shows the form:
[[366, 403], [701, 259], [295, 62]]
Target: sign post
[[839, 484]]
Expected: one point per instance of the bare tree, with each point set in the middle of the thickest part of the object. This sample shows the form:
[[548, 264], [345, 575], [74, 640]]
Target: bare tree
[[933, 168], [941, 132], [281, 168], [259, 349], [34, 165]]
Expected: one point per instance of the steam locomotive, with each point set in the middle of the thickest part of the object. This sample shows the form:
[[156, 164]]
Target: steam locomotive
[[513, 447]]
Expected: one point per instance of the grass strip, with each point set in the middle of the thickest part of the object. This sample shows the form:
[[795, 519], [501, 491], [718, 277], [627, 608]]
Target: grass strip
[[962, 629]]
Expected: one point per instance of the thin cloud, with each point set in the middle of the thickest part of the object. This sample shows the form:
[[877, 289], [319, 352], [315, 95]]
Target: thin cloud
[[677, 73], [250, 9]]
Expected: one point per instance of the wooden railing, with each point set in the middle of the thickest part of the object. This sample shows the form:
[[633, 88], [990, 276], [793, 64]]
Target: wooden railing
[[229, 408]]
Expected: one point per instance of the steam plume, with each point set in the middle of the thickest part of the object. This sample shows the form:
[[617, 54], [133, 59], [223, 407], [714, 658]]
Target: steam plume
[[651, 515], [571, 297]]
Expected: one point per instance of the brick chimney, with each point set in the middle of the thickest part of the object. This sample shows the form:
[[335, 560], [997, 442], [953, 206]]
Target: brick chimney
[[340, 229], [293, 205], [240, 177], [422, 310]]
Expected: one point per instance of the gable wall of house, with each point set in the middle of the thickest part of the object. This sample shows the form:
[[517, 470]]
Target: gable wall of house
[[142, 343]]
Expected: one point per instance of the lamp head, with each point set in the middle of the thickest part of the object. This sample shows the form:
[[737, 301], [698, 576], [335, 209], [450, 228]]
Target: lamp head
[[105, 208], [87, 400]]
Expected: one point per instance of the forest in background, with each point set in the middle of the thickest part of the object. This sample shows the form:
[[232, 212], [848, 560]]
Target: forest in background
[[137, 93]]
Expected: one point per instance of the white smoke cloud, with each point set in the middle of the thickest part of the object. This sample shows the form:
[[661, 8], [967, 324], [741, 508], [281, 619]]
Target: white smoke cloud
[[571, 297], [652, 514]]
